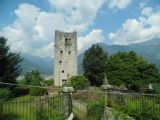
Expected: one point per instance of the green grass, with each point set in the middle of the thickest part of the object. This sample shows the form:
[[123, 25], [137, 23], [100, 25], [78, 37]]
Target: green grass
[[33, 108], [26, 97], [79, 114], [138, 107]]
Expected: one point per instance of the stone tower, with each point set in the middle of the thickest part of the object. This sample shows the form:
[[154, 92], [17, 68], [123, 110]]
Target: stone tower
[[65, 57]]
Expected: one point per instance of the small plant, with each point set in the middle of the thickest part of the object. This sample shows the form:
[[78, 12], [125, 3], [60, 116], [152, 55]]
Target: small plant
[[95, 108], [79, 82], [5, 94], [41, 114], [139, 109]]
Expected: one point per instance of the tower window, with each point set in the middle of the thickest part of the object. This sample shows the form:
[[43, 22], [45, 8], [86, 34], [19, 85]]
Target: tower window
[[61, 52], [68, 41], [69, 52], [62, 71]]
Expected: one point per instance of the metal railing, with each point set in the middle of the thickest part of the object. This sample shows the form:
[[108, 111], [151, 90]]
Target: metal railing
[[87, 104], [139, 106], [102, 105], [41, 108]]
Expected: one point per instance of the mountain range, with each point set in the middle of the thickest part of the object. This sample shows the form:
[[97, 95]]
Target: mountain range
[[43, 64], [150, 50]]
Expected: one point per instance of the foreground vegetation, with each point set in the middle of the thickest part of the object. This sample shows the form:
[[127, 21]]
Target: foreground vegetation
[[138, 106], [33, 108], [127, 106]]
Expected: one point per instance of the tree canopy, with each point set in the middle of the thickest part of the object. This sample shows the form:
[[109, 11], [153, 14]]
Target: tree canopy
[[94, 64], [131, 70], [122, 68], [9, 63]]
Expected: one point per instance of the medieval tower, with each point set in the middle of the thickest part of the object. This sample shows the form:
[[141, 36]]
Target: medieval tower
[[65, 57]]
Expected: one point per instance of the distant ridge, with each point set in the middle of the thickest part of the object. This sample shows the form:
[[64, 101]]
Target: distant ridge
[[150, 50]]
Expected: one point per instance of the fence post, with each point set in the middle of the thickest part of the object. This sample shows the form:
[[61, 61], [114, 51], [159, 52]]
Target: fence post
[[106, 89], [68, 102]]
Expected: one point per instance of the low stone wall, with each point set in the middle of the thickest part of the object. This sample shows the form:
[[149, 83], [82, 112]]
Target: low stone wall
[[80, 105], [81, 110]]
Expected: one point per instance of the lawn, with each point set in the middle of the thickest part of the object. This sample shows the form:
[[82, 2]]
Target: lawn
[[33, 108]]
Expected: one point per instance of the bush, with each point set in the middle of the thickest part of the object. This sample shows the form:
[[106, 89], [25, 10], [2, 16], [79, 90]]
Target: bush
[[37, 91], [49, 82], [34, 78], [141, 111], [20, 91], [22, 82], [5, 94], [79, 82], [95, 108]]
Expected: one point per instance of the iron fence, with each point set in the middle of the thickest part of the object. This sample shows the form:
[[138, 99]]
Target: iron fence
[[88, 104], [41, 108], [102, 105], [139, 106]]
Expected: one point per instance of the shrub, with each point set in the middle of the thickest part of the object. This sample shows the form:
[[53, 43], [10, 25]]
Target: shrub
[[79, 82], [41, 114], [22, 82], [37, 91], [95, 108], [4, 94], [34, 78], [49, 82], [141, 110], [20, 91]]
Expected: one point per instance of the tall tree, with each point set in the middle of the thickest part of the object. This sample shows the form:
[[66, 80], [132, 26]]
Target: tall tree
[[9, 63], [131, 70], [36, 80], [94, 64]]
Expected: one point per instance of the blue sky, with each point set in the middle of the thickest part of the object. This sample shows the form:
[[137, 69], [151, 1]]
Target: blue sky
[[29, 25]]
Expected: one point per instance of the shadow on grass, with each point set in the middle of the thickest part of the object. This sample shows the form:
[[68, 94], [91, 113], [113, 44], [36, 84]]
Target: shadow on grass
[[9, 116]]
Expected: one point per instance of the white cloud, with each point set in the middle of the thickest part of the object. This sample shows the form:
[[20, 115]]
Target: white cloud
[[95, 36], [33, 29], [46, 50], [79, 14], [146, 27], [147, 11], [118, 4]]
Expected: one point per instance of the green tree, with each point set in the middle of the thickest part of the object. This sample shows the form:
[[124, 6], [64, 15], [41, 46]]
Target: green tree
[[36, 80], [9, 63], [94, 64], [29, 76], [131, 70], [79, 82]]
